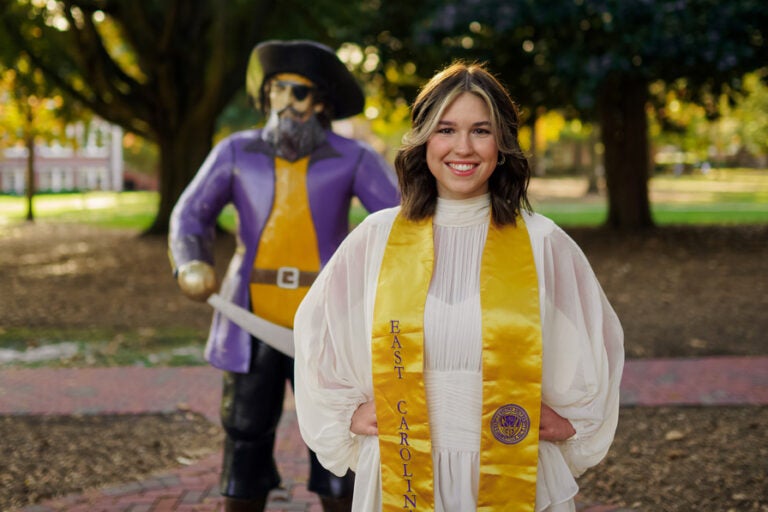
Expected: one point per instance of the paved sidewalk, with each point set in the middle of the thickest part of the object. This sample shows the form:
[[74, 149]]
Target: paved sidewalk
[[656, 382]]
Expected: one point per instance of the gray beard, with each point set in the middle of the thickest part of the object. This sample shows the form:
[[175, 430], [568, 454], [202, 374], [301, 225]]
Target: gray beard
[[292, 139]]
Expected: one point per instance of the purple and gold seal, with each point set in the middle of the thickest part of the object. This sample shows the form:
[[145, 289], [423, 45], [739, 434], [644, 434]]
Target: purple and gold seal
[[510, 424]]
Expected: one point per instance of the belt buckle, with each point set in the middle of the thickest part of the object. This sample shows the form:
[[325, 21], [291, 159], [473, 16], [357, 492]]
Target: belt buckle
[[288, 277]]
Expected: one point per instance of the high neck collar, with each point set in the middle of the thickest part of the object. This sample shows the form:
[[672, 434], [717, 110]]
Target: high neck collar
[[463, 212]]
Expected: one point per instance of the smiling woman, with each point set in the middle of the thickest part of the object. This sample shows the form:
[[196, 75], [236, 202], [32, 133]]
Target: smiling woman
[[429, 298], [462, 153]]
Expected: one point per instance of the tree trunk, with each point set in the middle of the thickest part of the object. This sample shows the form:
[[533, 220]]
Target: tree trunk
[[596, 170], [624, 132], [181, 155], [29, 140], [30, 175], [536, 160]]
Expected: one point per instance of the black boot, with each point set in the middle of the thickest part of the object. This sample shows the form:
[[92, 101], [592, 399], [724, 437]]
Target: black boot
[[330, 504], [236, 505]]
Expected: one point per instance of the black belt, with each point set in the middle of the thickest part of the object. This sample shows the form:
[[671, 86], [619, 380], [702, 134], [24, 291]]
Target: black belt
[[283, 277]]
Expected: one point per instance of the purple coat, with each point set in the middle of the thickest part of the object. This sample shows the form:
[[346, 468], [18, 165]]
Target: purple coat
[[240, 170]]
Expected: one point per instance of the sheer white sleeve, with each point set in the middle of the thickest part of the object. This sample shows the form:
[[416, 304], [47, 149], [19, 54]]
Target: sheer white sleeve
[[583, 347], [332, 335]]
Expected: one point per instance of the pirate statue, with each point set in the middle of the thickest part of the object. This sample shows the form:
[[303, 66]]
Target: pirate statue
[[291, 183]]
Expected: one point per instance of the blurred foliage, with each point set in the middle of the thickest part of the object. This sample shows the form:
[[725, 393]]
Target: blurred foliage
[[33, 111], [29, 109], [750, 110], [162, 70], [127, 61], [239, 114], [560, 54], [173, 72], [595, 59], [140, 155], [740, 124]]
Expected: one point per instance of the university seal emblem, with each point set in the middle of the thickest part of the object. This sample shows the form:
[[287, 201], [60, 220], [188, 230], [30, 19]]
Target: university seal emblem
[[510, 424]]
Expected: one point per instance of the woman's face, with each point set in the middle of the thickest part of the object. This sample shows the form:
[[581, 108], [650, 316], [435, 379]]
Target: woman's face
[[462, 152]]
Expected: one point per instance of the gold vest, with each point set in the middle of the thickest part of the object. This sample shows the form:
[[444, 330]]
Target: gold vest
[[287, 259]]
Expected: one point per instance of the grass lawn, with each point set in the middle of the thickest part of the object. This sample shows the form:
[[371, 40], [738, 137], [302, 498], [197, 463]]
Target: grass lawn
[[32, 347], [733, 196]]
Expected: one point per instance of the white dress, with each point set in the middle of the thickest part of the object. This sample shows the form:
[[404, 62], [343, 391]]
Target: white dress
[[582, 363]]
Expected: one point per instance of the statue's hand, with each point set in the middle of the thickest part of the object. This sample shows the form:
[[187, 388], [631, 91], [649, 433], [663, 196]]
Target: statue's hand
[[197, 280]]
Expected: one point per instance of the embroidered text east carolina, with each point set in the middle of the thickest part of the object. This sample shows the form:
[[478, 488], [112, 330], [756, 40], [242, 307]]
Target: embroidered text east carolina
[[409, 497]]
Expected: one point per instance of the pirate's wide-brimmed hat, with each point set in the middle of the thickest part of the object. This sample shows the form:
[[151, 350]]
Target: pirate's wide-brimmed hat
[[313, 60]]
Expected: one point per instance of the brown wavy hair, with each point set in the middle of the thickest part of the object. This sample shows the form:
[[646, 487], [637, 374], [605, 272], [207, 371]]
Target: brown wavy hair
[[508, 185]]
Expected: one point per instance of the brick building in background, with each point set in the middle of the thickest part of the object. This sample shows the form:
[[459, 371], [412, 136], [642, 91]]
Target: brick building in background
[[94, 163]]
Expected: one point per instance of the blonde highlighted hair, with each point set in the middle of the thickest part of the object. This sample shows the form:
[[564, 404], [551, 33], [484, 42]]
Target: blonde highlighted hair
[[508, 185]]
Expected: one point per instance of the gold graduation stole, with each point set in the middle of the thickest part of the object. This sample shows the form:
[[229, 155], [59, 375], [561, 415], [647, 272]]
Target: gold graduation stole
[[287, 259], [511, 331]]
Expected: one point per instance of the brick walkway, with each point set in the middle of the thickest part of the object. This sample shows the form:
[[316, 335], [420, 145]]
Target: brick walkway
[[657, 382]]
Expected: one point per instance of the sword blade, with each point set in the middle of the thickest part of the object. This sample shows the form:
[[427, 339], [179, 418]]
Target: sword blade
[[276, 336]]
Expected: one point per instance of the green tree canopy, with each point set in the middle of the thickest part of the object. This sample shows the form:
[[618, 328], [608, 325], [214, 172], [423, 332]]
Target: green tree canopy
[[597, 59], [162, 70], [32, 110], [166, 70]]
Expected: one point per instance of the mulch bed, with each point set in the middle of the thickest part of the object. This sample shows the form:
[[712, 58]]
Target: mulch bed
[[680, 292]]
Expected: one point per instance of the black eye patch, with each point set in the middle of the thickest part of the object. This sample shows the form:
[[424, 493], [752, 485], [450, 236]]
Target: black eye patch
[[299, 91]]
